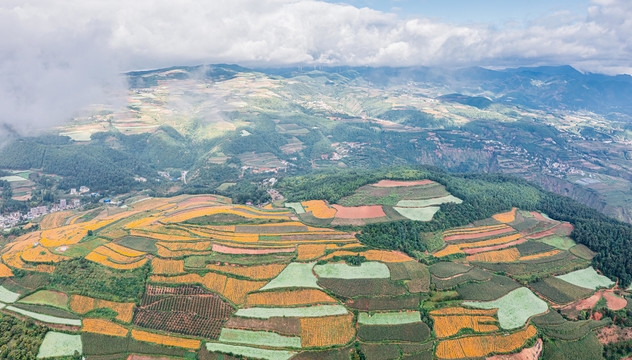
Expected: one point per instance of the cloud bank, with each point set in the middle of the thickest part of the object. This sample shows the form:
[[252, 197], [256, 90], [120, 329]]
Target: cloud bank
[[57, 56]]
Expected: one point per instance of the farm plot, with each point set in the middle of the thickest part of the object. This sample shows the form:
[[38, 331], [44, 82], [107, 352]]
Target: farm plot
[[445, 270], [417, 214], [165, 340], [167, 267], [327, 331], [291, 297], [83, 304], [429, 202], [310, 311], [559, 291], [413, 332], [296, 206], [105, 327], [47, 297], [261, 338], [294, 275], [493, 289], [389, 318], [385, 303], [366, 270], [58, 344], [250, 352], [258, 272], [474, 275], [485, 246], [446, 325], [290, 326], [480, 346], [515, 308], [351, 288], [587, 278], [50, 319], [7, 296]]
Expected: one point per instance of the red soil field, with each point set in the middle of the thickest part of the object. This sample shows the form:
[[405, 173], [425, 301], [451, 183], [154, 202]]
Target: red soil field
[[359, 212], [588, 303], [561, 229], [233, 250], [494, 247], [197, 199], [539, 216], [478, 235], [612, 334], [531, 353], [614, 302], [395, 183]]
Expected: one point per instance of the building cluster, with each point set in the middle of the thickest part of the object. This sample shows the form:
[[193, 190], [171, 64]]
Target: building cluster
[[17, 217]]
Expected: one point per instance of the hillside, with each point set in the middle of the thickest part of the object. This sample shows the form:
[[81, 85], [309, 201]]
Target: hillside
[[492, 265]]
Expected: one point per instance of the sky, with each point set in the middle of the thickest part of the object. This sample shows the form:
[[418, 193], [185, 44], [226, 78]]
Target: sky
[[59, 55]]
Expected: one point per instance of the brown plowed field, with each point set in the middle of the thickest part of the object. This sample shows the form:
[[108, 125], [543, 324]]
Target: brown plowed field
[[359, 212]]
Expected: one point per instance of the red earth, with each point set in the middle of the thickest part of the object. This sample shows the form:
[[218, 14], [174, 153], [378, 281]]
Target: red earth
[[359, 212], [233, 250], [478, 235], [493, 247]]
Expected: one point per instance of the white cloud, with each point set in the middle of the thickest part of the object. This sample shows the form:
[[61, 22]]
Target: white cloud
[[55, 56]]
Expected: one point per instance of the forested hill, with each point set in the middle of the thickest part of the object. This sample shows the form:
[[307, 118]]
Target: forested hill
[[483, 195]]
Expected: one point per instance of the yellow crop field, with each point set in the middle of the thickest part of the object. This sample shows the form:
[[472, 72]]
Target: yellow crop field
[[506, 217], [45, 268], [165, 340], [104, 327], [289, 298], [41, 254], [159, 236], [233, 289], [474, 229], [327, 331], [504, 255], [448, 325], [458, 310], [83, 304], [480, 346], [311, 251], [150, 204], [235, 210], [319, 209], [168, 267], [124, 250], [540, 255], [258, 272], [54, 220], [105, 261], [14, 260], [67, 235], [197, 246], [115, 256], [140, 223], [457, 248], [237, 289]]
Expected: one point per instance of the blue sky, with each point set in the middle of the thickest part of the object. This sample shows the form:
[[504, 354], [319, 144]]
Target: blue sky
[[494, 12]]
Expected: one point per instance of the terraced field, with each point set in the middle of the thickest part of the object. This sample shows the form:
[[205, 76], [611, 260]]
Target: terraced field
[[189, 275]]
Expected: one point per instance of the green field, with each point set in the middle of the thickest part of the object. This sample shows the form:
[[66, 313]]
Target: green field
[[429, 202], [57, 344], [366, 270], [417, 214], [7, 296], [515, 308], [559, 291], [45, 318], [389, 318], [311, 311], [250, 352], [263, 338], [47, 297], [448, 269], [294, 275], [587, 278], [560, 242], [296, 206]]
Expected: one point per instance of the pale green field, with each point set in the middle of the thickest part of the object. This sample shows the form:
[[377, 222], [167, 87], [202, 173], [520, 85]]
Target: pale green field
[[59, 344], [78, 135], [296, 206], [12, 178], [7, 296], [250, 352], [264, 338], [389, 318], [515, 308], [45, 318], [311, 311], [587, 278], [366, 270], [429, 202], [294, 275], [560, 242], [418, 214], [47, 297]]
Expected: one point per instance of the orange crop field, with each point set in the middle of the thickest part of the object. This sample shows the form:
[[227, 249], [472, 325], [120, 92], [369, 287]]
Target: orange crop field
[[319, 209], [327, 331], [478, 234], [5, 271], [54, 220], [67, 235], [480, 346], [159, 236], [14, 260], [540, 255], [506, 217], [257, 272], [289, 298], [167, 267], [458, 310], [104, 327], [45, 268], [448, 325], [166, 253], [115, 256], [251, 251], [233, 289], [505, 255], [124, 250], [237, 289], [374, 255], [458, 248], [105, 261], [494, 247], [311, 251], [140, 223], [165, 340], [41, 254], [83, 304], [474, 229], [235, 210]]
